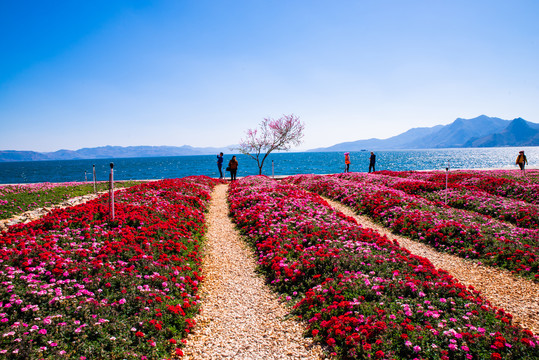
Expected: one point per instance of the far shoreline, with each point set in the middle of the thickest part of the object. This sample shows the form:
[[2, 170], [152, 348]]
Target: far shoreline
[[275, 177], [282, 163]]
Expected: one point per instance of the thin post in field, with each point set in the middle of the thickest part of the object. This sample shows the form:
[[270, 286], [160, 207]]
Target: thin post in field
[[446, 180], [95, 180], [111, 190]]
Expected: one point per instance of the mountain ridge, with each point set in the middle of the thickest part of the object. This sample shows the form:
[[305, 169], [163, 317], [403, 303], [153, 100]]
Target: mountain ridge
[[481, 131], [109, 152]]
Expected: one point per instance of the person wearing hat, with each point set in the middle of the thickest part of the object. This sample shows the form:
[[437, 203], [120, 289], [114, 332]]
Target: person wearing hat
[[521, 160], [346, 162]]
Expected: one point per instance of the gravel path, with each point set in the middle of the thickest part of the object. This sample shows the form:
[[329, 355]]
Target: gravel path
[[520, 297], [240, 317]]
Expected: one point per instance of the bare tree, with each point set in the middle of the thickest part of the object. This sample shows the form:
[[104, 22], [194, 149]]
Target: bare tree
[[280, 134]]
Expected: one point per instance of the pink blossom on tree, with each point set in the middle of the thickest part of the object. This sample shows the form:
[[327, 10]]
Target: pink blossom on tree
[[280, 134]]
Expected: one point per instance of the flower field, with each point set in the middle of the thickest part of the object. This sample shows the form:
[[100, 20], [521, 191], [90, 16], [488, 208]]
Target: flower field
[[15, 199], [530, 176], [499, 182], [362, 295], [520, 213], [76, 285], [397, 204]]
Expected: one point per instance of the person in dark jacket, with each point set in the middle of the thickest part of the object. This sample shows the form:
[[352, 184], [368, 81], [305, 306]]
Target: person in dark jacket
[[372, 162], [220, 165], [521, 160], [233, 168]]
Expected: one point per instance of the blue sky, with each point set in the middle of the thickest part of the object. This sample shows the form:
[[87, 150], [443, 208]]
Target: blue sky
[[77, 74]]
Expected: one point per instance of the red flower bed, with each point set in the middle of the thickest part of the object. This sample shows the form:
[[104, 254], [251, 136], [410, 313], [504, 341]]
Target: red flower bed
[[363, 296], [76, 285], [518, 212], [463, 233], [489, 182]]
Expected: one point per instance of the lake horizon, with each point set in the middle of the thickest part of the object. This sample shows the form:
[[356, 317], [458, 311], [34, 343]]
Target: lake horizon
[[278, 164]]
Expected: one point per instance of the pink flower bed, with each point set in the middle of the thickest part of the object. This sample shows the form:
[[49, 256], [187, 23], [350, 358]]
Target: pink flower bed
[[518, 212], [493, 182], [466, 234], [530, 175], [76, 285], [362, 295]]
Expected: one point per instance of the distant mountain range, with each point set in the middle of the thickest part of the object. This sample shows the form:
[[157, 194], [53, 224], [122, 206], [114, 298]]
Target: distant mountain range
[[109, 152], [482, 131]]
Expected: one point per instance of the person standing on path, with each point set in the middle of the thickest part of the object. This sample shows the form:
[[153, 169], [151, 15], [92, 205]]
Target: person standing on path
[[233, 168], [346, 162], [372, 162], [220, 165], [521, 160]]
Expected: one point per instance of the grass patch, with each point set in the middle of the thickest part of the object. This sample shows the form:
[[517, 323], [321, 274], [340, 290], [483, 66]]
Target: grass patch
[[17, 199]]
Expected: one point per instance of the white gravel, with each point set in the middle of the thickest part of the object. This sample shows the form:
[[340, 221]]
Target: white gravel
[[240, 317]]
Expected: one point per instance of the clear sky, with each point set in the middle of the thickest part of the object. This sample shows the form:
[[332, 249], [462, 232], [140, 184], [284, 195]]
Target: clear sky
[[77, 74]]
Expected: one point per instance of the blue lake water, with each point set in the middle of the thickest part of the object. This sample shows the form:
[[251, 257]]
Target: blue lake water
[[283, 164]]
